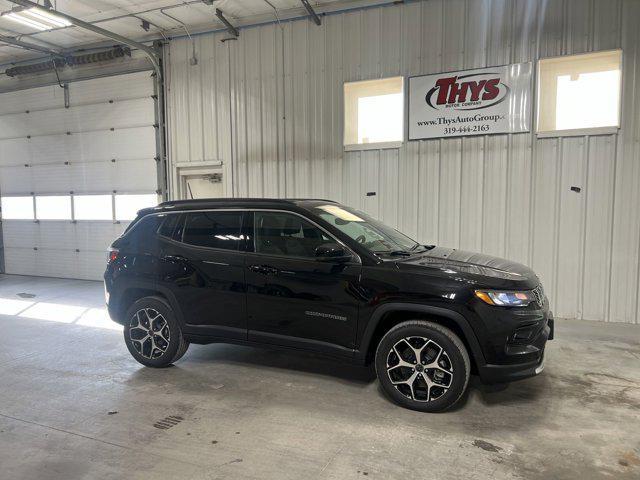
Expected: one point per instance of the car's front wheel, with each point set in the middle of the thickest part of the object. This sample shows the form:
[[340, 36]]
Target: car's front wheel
[[422, 366], [152, 333]]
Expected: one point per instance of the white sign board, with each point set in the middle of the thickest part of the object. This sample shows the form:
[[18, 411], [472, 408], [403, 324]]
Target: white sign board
[[471, 102]]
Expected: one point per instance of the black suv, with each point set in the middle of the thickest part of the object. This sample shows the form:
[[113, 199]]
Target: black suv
[[318, 276]]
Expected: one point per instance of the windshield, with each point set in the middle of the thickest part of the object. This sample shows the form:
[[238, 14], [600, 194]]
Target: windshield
[[372, 234]]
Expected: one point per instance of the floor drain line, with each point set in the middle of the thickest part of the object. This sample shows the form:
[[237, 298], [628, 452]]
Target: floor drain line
[[167, 422]]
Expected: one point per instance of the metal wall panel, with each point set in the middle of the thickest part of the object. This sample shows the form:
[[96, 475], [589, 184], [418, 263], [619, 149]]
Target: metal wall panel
[[506, 195]]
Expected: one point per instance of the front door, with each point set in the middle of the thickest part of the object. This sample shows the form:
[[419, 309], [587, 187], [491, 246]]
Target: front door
[[293, 298], [202, 266]]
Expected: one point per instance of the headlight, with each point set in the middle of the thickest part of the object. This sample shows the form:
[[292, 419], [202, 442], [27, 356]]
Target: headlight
[[505, 298]]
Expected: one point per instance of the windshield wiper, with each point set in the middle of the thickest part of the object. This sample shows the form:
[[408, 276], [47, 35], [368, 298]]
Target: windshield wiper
[[395, 253], [426, 247]]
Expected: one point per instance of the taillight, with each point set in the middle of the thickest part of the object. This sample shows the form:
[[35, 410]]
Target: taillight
[[113, 254]]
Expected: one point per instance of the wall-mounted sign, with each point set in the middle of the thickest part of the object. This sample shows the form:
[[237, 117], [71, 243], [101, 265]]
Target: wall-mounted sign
[[471, 102]]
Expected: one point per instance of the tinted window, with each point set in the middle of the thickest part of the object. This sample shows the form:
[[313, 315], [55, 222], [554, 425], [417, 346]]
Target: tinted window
[[169, 225], [213, 229], [140, 236], [287, 234]]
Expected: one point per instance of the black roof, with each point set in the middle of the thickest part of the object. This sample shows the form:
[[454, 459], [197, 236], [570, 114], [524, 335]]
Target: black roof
[[235, 202]]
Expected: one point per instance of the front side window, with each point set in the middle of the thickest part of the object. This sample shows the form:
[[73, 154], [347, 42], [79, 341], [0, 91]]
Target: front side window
[[287, 234], [213, 229], [372, 234]]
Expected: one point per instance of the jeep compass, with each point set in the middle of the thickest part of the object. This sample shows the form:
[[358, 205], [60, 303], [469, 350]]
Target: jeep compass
[[318, 276]]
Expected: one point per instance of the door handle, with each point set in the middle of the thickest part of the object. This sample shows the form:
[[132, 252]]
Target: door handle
[[263, 269]]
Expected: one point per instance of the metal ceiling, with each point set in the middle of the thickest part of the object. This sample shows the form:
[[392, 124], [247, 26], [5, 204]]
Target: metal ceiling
[[162, 18]]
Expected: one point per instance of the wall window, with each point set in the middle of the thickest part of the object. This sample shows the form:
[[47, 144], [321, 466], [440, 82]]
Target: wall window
[[127, 206], [92, 207], [579, 92], [17, 208], [213, 229], [53, 207], [374, 113]]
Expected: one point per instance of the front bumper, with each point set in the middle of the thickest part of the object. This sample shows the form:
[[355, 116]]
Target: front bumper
[[490, 373]]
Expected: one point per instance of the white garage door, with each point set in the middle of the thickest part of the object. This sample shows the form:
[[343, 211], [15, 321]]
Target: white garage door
[[72, 178]]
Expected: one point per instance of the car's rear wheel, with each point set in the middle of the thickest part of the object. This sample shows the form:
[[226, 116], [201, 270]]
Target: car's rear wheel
[[152, 333], [422, 365]]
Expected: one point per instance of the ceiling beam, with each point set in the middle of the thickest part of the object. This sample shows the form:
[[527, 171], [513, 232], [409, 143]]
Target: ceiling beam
[[312, 13], [28, 46], [232, 30]]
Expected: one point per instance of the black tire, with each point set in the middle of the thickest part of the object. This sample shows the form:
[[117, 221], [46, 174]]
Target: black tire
[[425, 392], [154, 351]]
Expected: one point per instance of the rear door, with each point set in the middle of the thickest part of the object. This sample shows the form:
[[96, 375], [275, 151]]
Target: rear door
[[202, 268], [294, 299]]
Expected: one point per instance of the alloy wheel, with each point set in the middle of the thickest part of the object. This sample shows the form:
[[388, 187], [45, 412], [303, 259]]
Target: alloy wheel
[[419, 368], [149, 333]]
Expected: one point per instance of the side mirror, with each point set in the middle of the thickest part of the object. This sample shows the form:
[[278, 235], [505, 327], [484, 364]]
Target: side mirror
[[332, 252]]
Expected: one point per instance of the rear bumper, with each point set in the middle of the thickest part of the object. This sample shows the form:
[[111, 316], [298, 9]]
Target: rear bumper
[[490, 373]]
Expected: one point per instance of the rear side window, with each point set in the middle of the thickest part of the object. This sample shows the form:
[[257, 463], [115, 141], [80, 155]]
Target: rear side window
[[141, 234], [213, 229], [168, 227]]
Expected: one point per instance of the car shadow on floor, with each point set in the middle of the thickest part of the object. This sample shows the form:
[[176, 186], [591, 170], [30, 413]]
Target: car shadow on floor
[[518, 393], [304, 362]]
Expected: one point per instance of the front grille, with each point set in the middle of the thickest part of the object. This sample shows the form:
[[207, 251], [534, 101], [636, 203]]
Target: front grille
[[538, 294]]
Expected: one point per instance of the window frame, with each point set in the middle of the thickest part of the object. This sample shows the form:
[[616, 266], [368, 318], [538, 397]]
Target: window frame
[[392, 144], [578, 132]]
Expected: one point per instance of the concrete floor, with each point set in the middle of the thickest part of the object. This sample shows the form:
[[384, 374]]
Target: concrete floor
[[75, 405]]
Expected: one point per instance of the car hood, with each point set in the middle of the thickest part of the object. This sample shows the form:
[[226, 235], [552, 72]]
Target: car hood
[[477, 268]]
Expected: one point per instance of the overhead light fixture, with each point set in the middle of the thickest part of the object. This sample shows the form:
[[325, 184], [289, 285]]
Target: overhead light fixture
[[38, 19], [16, 17], [47, 17]]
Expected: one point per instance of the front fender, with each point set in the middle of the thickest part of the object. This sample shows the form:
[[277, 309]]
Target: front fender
[[470, 337]]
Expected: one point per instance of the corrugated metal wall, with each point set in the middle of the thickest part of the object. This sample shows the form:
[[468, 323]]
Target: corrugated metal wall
[[507, 195]]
